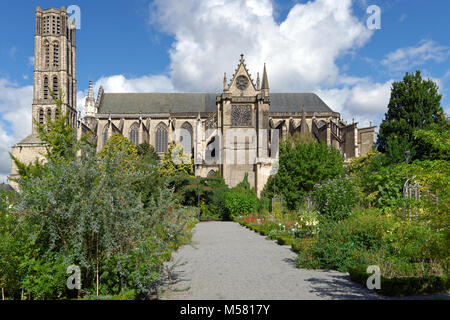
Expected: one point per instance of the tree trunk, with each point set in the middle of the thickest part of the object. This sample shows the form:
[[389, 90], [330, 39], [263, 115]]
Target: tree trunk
[[3, 293]]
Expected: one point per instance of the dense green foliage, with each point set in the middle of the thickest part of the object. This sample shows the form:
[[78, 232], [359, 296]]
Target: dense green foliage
[[336, 198], [112, 214], [434, 142], [301, 166], [207, 193], [147, 151], [175, 162], [414, 104], [241, 199]]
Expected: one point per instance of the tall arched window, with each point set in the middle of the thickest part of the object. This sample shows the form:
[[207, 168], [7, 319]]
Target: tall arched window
[[56, 113], [161, 138], [46, 24], [68, 60], [56, 54], [55, 86], [134, 133], [58, 25], [53, 25], [105, 134], [49, 113], [45, 88], [186, 137], [41, 116], [47, 54]]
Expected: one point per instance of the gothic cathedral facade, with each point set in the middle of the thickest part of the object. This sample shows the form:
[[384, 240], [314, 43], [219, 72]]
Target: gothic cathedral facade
[[234, 132]]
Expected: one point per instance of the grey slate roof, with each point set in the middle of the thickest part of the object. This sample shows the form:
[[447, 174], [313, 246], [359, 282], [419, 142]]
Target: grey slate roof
[[135, 103], [157, 102], [293, 102], [31, 139]]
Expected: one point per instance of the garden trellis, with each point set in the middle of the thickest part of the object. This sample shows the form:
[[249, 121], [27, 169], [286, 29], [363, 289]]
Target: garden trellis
[[411, 190]]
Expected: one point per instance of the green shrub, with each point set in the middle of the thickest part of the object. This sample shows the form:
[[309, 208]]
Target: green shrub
[[301, 244], [336, 198], [343, 243], [264, 205], [402, 286], [45, 278], [241, 200], [284, 240]]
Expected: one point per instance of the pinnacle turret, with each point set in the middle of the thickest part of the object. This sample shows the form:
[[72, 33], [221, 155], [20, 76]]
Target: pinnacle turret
[[265, 82]]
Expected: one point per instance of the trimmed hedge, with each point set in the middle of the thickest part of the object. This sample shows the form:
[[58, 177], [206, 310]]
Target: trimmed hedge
[[282, 241], [300, 244], [402, 286]]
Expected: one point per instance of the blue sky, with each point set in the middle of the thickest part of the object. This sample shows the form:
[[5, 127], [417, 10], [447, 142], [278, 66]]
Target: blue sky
[[322, 46]]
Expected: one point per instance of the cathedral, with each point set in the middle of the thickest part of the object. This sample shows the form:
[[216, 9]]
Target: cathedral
[[234, 132]]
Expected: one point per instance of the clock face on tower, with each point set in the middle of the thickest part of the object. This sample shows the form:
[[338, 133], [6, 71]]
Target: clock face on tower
[[242, 82]]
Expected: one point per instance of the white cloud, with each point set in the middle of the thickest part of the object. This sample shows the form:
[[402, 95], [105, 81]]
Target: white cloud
[[15, 120], [300, 52], [404, 59], [119, 84], [366, 102]]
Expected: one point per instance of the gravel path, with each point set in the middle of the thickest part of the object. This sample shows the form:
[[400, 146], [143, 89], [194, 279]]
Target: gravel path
[[228, 261]]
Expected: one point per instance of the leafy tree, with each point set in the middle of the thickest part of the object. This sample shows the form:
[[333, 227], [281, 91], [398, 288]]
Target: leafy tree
[[176, 162], [147, 151], [148, 162], [395, 151], [414, 104], [210, 191], [89, 211], [27, 170], [118, 144], [301, 166], [433, 143]]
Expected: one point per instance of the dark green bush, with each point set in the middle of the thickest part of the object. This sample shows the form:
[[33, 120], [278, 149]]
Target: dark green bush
[[341, 244], [241, 200], [301, 166], [211, 192]]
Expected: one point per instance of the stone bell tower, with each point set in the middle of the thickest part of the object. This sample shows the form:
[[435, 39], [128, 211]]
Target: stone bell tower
[[54, 70], [54, 64]]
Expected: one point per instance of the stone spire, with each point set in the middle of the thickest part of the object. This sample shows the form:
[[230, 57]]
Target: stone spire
[[304, 126], [89, 106], [265, 82], [225, 81], [91, 91]]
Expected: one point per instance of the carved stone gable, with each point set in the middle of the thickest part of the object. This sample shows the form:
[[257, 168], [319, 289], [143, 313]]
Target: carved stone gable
[[241, 82]]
